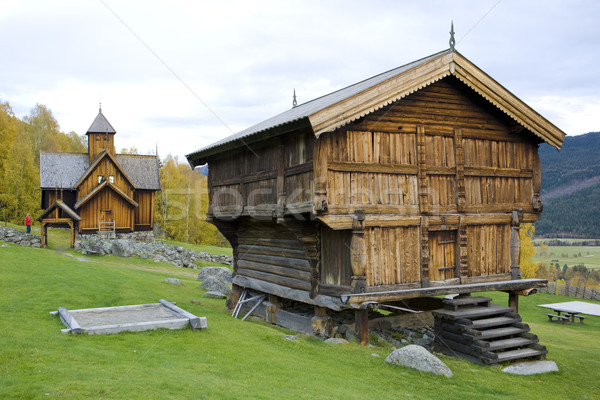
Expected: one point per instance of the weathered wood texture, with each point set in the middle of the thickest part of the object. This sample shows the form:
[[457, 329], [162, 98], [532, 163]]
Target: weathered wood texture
[[253, 180], [144, 212], [435, 149], [106, 206], [98, 142], [436, 175], [272, 253]]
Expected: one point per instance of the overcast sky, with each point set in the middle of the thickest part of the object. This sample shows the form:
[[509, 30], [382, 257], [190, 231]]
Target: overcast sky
[[182, 74]]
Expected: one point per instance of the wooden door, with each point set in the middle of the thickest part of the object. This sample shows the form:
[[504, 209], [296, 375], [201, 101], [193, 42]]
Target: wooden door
[[442, 255]]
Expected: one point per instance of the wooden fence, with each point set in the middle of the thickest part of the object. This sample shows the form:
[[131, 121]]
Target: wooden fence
[[568, 290]]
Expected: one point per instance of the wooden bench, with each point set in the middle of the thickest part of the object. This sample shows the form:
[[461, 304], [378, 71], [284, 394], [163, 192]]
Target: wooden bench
[[558, 318], [573, 316]]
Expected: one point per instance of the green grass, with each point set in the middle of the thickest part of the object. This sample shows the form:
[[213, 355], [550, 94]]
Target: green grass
[[570, 255], [232, 359]]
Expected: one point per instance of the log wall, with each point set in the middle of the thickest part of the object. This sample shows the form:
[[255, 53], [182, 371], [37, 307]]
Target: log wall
[[271, 253]]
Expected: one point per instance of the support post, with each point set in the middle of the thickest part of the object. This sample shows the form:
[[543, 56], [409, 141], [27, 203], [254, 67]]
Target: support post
[[234, 296], [513, 301], [361, 326], [358, 253], [515, 245], [321, 322], [272, 306]]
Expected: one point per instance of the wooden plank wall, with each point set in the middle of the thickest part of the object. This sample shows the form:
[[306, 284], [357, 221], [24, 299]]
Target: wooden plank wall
[[271, 253], [394, 255], [144, 212], [245, 181], [335, 257], [107, 199], [439, 151], [488, 249], [371, 169], [106, 165], [98, 142]]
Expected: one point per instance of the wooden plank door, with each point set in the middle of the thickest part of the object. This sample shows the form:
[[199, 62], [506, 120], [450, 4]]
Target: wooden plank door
[[442, 255]]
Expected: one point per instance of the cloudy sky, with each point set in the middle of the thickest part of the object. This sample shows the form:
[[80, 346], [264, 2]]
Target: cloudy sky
[[182, 74]]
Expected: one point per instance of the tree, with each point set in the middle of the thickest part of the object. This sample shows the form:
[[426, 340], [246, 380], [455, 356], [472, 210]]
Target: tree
[[42, 131], [528, 267]]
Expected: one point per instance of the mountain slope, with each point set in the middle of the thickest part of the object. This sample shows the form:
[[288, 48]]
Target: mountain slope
[[571, 187]]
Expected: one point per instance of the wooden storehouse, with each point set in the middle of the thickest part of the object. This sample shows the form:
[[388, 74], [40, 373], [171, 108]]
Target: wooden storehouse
[[409, 184], [104, 189]]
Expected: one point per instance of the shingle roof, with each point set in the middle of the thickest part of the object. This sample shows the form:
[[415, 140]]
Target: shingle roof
[[101, 125], [143, 170], [64, 170]]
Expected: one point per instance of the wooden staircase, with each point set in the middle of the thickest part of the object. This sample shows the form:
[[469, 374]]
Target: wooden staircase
[[474, 329]]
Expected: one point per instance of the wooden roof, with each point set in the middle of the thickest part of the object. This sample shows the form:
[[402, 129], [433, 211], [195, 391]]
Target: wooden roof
[[344, 106], [59, 204]]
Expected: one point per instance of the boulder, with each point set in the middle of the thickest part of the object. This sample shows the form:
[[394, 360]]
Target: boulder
[[174, 281], [531, 368], [215, 295], [336, 340], [217, 272], [416, 357], [122, 248], [214, 284]]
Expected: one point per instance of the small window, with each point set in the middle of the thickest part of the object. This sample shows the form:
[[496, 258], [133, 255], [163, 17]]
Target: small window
[[111, 179], [100, 179]]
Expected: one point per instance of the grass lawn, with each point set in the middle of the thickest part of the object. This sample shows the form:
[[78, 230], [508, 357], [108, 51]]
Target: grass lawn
[[231, 359], [570, 255]]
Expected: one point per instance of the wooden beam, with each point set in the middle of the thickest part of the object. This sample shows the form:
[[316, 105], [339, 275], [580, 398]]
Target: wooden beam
[[303, 296], [344, 166], [356, 299]]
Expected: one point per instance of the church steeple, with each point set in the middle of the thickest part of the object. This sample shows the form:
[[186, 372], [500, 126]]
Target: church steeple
[[101, 136]]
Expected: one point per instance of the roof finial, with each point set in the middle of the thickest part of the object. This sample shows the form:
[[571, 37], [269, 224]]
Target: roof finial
[[452, 41], [100, 107], [294, 102]]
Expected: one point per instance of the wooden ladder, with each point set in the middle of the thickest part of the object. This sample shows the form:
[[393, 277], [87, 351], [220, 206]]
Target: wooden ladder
[[106, 228]]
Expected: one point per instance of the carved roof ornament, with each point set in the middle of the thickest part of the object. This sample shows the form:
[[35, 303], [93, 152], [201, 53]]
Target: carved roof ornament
[[294, 101], [452, 42]]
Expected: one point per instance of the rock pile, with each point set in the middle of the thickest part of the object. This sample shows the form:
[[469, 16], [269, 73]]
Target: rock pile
[[21, 238], [216, 280], [158, 251]]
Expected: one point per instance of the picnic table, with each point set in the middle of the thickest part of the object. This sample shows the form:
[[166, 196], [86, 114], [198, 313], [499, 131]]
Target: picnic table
[[571, 310]]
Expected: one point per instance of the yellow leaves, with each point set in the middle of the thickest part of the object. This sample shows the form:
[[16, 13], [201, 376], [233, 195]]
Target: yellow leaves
[[529, 269]]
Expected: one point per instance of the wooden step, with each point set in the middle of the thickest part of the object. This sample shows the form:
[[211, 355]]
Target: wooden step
[[472, 312], [489, 322], [520, 353], [455, 303], [500, 332], [505, 343]]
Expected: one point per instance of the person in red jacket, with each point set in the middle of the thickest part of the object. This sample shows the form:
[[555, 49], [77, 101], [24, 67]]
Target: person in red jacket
[[28, 223]]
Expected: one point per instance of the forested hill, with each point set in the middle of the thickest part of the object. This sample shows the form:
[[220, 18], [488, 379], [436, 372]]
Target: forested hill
[[571, 187]]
